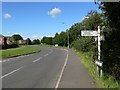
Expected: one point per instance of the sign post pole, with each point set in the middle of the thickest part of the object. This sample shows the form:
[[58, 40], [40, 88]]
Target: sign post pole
[[99, 51]]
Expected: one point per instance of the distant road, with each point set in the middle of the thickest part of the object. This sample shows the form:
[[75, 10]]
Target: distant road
[[50, 68]]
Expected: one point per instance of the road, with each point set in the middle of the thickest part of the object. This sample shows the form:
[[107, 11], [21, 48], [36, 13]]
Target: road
[[50, 68]]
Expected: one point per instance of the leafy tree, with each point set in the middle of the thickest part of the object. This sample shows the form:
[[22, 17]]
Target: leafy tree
[[56, 38], [36, 41], [61, 39], [47, 40], [111, 45], [28, 41], [17, 37], [93, 21], [74, 32]]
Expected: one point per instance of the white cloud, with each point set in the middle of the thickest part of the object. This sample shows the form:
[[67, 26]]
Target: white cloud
[[54, 12], [35, 37], [9, 33], [7, 16], [16, 33]]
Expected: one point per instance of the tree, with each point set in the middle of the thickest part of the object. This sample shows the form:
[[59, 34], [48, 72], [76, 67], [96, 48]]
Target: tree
[[61, 39], [56, 38], [36, 41], [47, 40], [28, 41], [111, 45], [17, 37]]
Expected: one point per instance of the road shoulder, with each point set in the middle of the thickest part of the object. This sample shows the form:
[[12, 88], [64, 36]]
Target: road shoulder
[[75, 75]]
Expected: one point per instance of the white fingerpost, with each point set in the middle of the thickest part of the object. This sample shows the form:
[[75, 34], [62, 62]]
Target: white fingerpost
[[98, 47], [95, 33], [99, 51]]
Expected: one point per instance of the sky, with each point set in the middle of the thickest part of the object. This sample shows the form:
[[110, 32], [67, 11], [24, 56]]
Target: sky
[[37, 19]]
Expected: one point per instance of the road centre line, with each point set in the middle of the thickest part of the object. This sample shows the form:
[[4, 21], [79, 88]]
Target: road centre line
[[46, 55], [11, 72], [61, 73], [37, 59]]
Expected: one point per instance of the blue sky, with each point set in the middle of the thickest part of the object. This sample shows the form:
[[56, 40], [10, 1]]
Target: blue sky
[[37, 19]]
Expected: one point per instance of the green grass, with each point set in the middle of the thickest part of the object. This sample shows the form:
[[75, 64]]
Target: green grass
[[18, 51], [102, 82]]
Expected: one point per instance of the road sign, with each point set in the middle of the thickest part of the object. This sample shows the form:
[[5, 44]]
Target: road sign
[[99, 63], [89, 33]]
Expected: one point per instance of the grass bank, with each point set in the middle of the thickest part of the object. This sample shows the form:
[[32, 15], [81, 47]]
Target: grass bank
[[18, 51], [102, 82]]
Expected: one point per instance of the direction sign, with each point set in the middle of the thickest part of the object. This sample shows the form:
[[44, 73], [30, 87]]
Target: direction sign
[[99, 63], [89, 33]]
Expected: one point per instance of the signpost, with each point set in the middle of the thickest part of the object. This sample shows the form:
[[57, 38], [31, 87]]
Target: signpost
[[95, 33], [89, 33]]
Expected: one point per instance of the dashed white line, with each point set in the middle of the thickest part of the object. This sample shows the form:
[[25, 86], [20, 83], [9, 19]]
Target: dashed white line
[[11, 72], [46, 55], [61, 73], [37, 59]]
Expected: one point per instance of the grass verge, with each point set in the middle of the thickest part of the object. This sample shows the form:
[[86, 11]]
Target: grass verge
[[18, 51], [106, 81]]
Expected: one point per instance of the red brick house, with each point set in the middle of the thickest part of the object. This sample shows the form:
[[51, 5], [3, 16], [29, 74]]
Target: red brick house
[[2, 40], [9, 40], [6, 40]]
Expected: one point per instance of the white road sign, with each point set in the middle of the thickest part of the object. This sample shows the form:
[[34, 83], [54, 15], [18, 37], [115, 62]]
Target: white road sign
[[89, 33], [99, 63]]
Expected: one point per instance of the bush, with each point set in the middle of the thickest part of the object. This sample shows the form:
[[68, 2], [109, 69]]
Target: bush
[[86, 44], [8, 46]]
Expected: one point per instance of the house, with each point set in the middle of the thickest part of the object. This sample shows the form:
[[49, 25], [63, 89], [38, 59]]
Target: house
[[9, 40], [22, 42], [2, 40], [6, 40]]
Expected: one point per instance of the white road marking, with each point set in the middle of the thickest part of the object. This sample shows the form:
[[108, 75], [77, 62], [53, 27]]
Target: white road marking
[[59, 79], [6, 60], [11, 72], [37, 59], [46, 55]]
